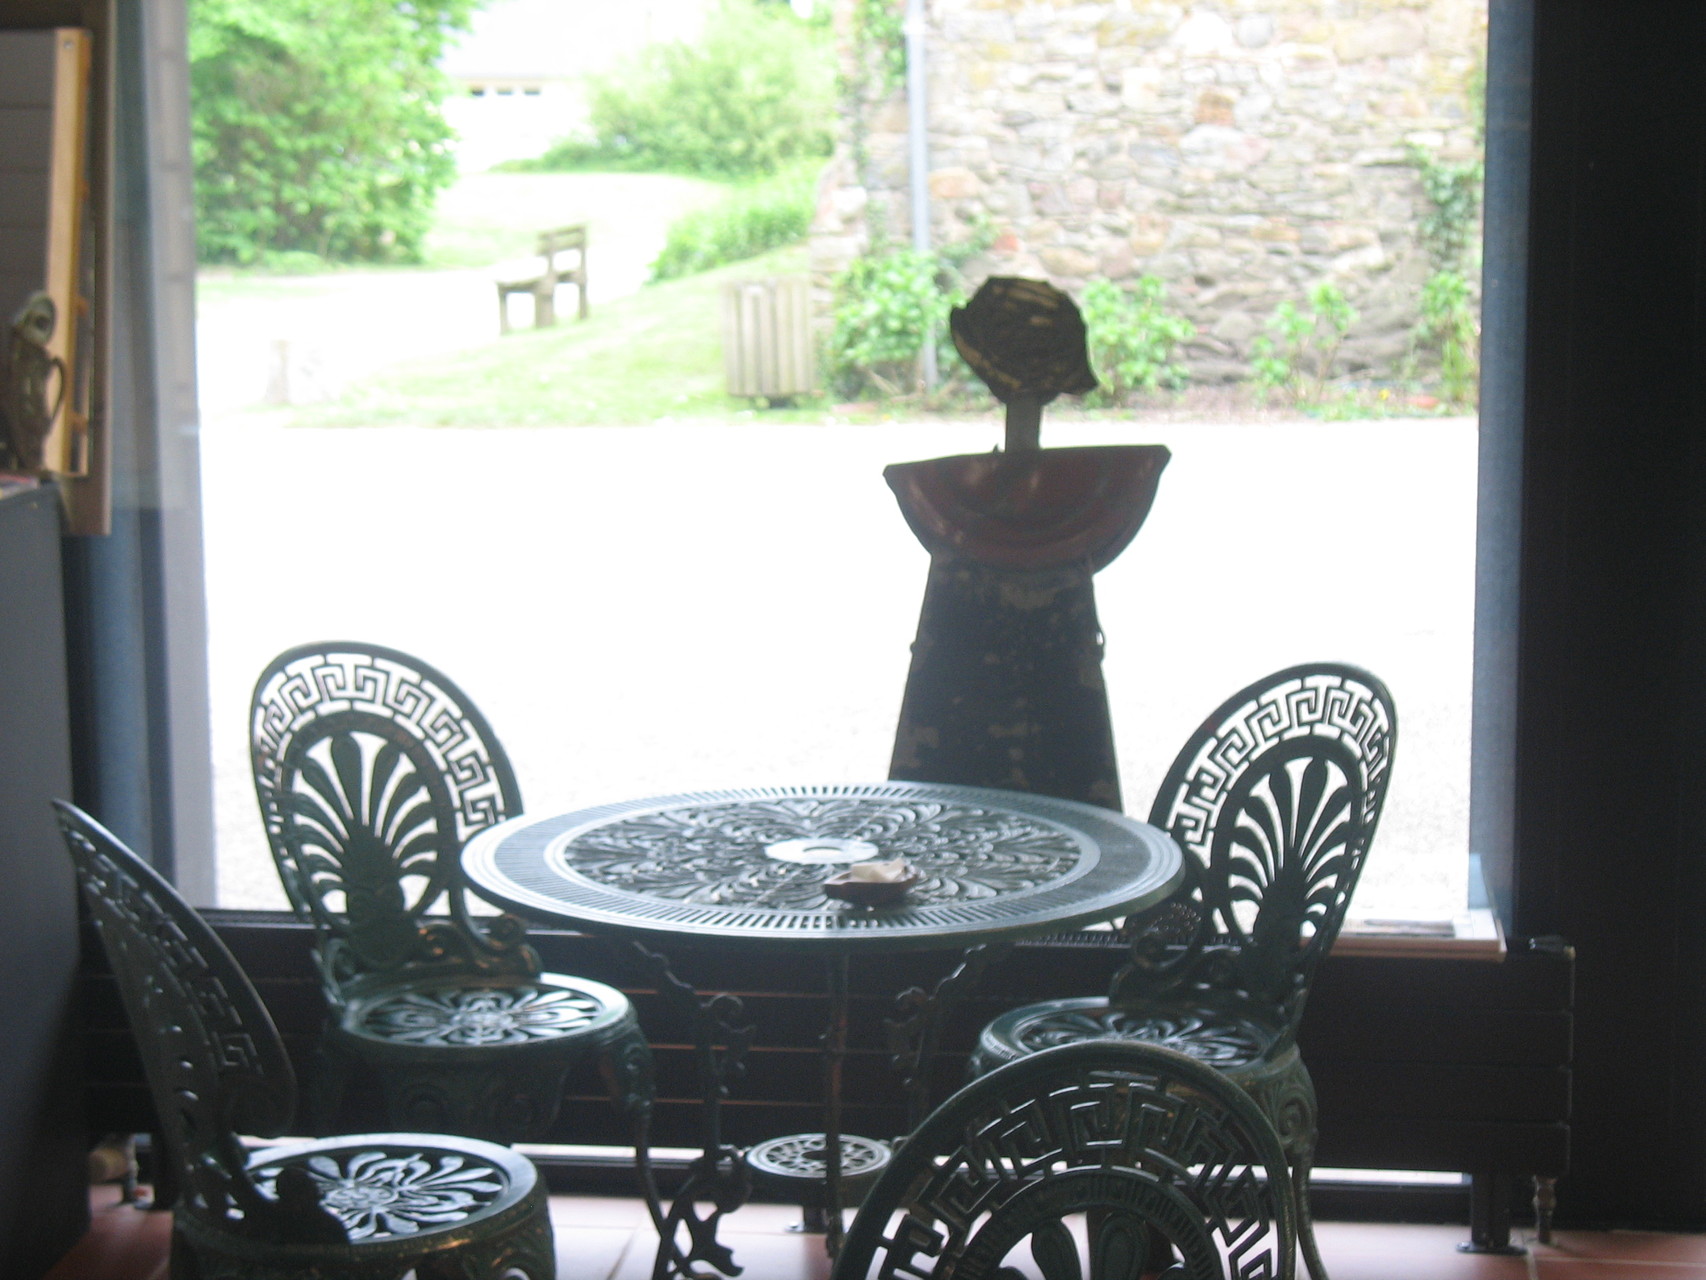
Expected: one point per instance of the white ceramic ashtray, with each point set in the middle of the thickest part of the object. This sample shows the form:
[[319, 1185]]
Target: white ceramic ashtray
[[873, 884]]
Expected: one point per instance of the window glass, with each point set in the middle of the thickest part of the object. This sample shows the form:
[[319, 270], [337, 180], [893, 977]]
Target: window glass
[[649, 586]]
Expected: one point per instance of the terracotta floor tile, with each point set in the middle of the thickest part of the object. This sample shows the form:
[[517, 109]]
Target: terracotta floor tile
[[1629, 1246], [1614, 1269], [610, 1238], [1385, 1251], [122, 1243], [598, 1211], [764, 1256], [597, 1252]]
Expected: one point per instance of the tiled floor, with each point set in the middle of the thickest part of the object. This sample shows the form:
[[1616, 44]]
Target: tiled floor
[[610, 1239]]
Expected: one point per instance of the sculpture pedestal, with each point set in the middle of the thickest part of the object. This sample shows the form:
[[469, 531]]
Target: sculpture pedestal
[[1006, 686]]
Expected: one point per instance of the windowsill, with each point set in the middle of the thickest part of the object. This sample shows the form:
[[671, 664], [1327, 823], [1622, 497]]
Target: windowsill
[[1471, 935]]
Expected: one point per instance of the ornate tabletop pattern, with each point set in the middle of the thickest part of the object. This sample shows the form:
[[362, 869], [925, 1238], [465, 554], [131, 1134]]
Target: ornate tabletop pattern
[[773, 855], [751, 864]]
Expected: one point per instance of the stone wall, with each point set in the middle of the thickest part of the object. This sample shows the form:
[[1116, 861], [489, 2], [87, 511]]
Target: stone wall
[[1240, 150]]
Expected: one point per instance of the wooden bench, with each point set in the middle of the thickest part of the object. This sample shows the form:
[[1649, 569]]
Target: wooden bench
[[542, 284]]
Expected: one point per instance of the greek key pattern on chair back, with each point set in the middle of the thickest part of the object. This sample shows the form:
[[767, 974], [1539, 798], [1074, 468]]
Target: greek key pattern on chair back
[[214, 1061], [1275, 800], [1148, 1151], [373, 770]]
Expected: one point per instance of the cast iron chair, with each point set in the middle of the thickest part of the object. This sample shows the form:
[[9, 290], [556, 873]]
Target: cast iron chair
[[374, 1205], [373, 770], [1132, 1159], [1275, 800]]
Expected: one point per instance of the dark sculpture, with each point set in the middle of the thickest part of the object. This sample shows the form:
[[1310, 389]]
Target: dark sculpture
[[1163, 1167], [373, 770], [25, 411], [374, 1205], [1006, 683], [1274, 801]]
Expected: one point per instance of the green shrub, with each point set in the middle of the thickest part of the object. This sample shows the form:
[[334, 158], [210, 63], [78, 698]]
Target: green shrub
[[1298, 338], [1448, 327], [1132, 338], [752, 220], [887, 303], [754, 94], [316, 128]]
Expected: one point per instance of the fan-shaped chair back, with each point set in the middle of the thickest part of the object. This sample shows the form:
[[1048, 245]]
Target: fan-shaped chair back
[[373, 770], [1109, 1154], [1275, 800], [214, 1061]]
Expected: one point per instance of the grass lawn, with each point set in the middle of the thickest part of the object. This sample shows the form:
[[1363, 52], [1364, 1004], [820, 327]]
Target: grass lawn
[[492, 217], [486, 218], [654, 355]]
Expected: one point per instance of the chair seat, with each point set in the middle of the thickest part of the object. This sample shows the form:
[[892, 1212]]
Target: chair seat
[[1228, 1039], [402, 1198], [557, 1012], [384, 1186]]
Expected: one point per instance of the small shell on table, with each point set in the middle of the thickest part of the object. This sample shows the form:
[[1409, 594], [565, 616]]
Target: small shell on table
[[873, 884]]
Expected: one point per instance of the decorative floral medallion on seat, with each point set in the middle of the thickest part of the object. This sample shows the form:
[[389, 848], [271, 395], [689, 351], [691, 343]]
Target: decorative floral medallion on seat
[[1215, 1037], [479, 1015], [385, 1193]]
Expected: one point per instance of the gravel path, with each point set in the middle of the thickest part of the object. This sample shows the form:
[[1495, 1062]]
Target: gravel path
[[651, 609], [299, 339]]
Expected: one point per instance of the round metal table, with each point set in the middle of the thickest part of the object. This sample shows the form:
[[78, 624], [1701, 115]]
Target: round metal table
[[747, 867]]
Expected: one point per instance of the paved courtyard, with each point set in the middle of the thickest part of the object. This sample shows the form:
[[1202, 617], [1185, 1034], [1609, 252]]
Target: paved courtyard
[[661, 608]]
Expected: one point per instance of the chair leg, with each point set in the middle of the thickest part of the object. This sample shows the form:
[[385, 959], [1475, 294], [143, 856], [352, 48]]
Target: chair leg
[[1545, 1201], [1300, 1170], [326, 1084]]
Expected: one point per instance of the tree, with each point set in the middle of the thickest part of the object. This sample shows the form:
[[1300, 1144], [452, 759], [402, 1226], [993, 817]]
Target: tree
[[316, 127], [752, 94]]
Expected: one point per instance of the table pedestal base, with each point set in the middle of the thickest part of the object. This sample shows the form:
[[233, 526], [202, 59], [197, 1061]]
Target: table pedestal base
[[795, 1169]]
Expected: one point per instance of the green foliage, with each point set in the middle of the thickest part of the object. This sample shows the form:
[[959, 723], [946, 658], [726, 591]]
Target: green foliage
[[879, 40], [316, 128], [1448, 325], [1295, 356], [1132, 338], [1449, 328], [754, 94], [1454, 199], [887, 304], [753, 219]]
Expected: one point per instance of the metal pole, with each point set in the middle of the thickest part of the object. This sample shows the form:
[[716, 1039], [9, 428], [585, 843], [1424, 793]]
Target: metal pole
[[918, 153]]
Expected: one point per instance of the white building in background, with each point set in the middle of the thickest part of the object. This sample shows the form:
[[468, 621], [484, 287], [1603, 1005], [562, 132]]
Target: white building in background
[[519, 74]]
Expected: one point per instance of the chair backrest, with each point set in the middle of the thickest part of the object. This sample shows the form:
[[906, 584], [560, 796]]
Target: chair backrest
[[373, 770], [214, 1061], [1275, 800], [1099, 1148], [562, 240]]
